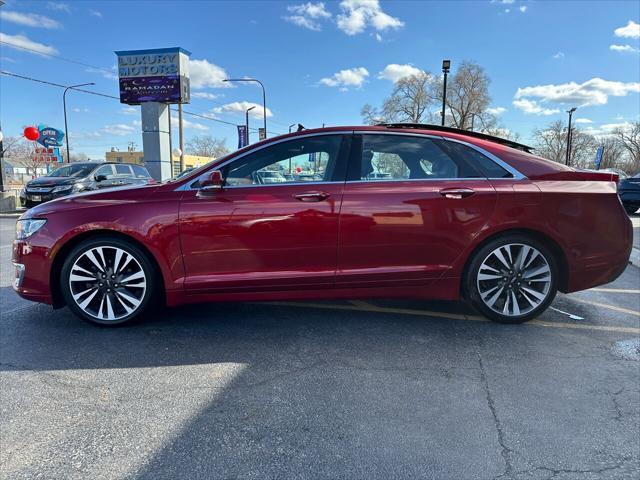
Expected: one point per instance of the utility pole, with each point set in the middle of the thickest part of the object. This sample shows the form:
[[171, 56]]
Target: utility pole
[[569, 136], [446, 65]]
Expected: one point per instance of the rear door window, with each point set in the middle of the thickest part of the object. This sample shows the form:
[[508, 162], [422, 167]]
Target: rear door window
[[385, 157], [123, 170], [484, 164]]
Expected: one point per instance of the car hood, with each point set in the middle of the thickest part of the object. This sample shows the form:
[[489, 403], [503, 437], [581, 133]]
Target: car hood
[[52, 181], [92, 199]]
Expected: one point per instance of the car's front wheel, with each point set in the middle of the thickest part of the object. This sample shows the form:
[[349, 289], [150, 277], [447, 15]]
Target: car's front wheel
[[512, 279], [107, 280]]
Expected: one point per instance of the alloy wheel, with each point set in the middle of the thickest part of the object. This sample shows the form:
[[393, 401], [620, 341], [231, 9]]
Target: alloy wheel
[[514, 279], [107, 283]]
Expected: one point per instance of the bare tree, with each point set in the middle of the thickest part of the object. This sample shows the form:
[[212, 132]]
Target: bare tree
[[613, 153], [468, 97], [630, 140], [413, 100], [551, 143], [206, 146], [22, 154]]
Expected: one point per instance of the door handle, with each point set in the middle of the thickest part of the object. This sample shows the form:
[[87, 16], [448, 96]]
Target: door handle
[[311, 196], [456, 193]]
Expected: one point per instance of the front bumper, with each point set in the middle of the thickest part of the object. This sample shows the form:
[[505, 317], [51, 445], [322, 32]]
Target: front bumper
[[31, 199], [32, 270]]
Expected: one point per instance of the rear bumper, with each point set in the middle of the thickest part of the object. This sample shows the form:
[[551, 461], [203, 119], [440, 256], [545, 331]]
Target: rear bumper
[[603, 268]]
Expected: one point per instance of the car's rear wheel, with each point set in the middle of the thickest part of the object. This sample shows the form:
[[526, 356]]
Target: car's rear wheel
[[108, 281], [512, 279]]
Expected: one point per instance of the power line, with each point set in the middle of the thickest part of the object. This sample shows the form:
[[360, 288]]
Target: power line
[[110, 72], [37, 80]]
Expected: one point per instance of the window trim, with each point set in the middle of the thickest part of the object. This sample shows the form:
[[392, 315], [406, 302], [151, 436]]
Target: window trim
[[516, 174], [188, 186]]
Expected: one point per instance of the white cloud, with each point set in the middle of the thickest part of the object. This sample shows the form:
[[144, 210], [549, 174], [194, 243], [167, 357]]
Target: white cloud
[[623, 48], [357, 15], [504, 2], [95, 13], [204, 74], [29, 19], [80, 110], [378, 37], [205, 95], [186, 124], [119, 130], [241, 107], [105, 73], [592, 92], [532, 107], [558, 55], [59, 6], [607, 129], [21, 41], [395, 72], [308, 15], [352, 77], [523, 8], [583, 120], [129, 110], [630, 30], [496, 110]]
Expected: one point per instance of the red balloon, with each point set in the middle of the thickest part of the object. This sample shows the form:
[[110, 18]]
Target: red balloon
[[31, 133]]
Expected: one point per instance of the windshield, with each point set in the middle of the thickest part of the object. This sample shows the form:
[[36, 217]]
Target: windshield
[[72, 171]]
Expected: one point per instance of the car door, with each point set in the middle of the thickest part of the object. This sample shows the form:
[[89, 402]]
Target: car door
[[267, 231], [123, 175], [409, 208], [104, 176]]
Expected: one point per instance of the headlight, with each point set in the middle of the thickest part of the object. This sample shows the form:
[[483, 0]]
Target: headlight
[[26, 228], [62, 188]]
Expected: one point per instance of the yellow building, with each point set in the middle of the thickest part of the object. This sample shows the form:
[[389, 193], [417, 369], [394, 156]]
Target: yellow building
[[190, 161]]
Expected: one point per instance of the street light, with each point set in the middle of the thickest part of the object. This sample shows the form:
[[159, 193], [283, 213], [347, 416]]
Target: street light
[[446, 65], [64, 106], [569, 135], [292, 125], [264, 98], [247, 122]]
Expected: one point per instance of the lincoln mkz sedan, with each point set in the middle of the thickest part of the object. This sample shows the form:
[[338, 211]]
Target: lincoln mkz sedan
[[393, 210]]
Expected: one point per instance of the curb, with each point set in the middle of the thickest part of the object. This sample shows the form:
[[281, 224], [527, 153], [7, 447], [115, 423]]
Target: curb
[[11, 214], [634, 259]]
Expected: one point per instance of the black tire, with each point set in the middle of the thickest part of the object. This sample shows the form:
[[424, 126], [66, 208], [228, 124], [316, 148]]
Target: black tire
[[147, 299], [471, 281]]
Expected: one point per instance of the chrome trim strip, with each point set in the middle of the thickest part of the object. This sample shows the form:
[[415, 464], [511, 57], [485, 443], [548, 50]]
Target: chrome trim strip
[[187, 186], [516, 174]]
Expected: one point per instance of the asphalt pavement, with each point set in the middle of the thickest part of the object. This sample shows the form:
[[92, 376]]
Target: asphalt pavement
[[297, 390]]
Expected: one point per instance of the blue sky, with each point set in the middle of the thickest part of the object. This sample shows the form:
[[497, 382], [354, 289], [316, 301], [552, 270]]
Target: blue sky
[[320, 62]]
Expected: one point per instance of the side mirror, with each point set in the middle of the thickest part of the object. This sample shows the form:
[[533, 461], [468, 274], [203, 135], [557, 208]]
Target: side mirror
[[213, 181], [100, 178]]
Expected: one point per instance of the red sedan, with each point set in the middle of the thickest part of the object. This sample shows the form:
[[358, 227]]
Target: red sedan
[[395, 210]]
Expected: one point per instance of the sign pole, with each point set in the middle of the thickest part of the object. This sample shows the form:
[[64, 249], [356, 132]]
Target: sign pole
[[181, 137]]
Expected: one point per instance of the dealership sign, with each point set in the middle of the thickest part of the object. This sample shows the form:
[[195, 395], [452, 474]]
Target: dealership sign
[[157, 75]]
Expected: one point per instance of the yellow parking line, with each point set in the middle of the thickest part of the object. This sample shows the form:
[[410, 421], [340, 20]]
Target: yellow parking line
[[605, 305], [359, 306], [614, 290]]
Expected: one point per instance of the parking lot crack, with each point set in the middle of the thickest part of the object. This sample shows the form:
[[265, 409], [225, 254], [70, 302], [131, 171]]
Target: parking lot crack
[[505, 451]]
